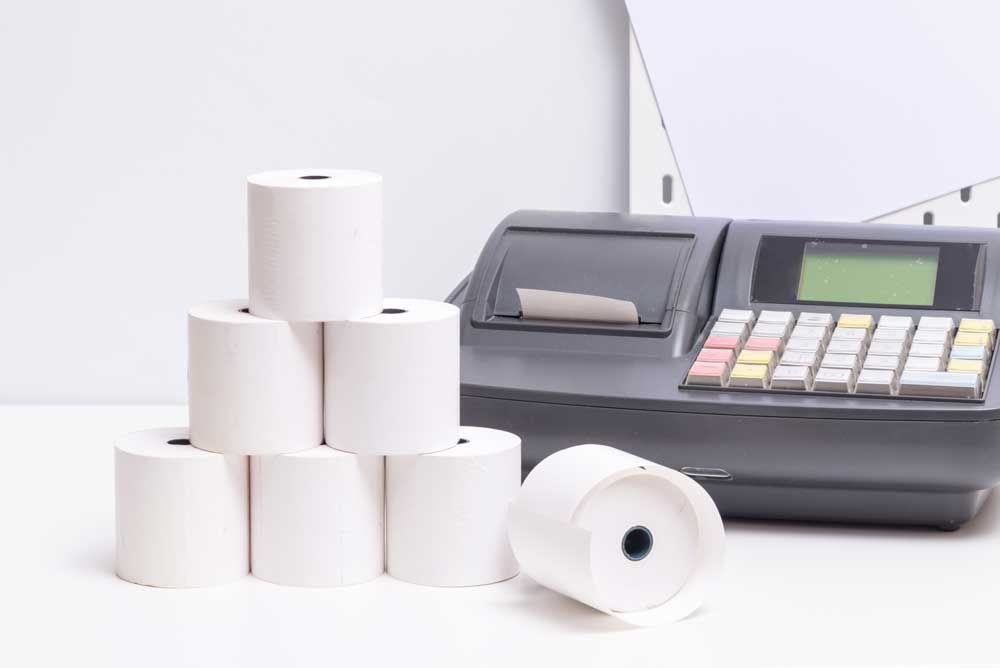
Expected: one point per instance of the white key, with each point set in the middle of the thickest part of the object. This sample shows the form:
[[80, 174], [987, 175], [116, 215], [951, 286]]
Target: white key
[[837, 361], [895, 322], [791, 378], [737, 315], [882, 334], [886, 348], [845, 347], [877, 381], [924, 364], [936, 322], [824, 320], [853, 333], [776, 317], [801, 344], [800, 358], [942, 336], [834, 380], [970, 353], [730, 329], [882, 362], [927, 350], [939, 384], [769, 330], [809, 332]]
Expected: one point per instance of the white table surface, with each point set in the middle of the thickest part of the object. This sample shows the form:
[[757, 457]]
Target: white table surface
[[792, 594]]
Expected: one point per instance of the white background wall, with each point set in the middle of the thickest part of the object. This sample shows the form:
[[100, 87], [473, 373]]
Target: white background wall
[[127, 129]]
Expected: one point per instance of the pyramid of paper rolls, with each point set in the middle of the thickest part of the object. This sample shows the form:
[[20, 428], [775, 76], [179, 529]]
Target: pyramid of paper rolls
[[324, 444]]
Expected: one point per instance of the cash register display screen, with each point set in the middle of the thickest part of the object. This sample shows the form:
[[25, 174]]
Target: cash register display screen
[[863, 273]]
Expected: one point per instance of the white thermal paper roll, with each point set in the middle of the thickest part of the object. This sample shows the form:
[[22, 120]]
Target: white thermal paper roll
[[392, 383], [317, 518], [255, 386], [624, 535], [181, 514], [315, 241], [446, 512]]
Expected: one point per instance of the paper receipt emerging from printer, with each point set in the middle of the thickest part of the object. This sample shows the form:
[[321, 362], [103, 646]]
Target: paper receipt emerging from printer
[[554, 305]]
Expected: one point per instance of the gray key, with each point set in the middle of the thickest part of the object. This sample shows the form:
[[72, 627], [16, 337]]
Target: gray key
[[845, 347], [882, 362], [895, 322], [770, 330], [924, 364], [834, 380], [882, 334], [800, 358], [730, 329], [804, 344], [837, 361], [737, 315], [970, 353], [936, 322], [824, 320], [851, 333], [886, 348], [939, 384], [776, 317], [791, 378], [877, 381], [927, 350], [942, 336]]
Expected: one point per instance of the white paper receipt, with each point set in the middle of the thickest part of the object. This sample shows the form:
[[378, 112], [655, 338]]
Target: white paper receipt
[[553, 305]]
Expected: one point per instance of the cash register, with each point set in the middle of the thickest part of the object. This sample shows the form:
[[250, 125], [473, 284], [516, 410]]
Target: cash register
[[797, 370]]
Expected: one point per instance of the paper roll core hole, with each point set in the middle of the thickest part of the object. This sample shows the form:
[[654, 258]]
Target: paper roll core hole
[[637, 543], [463, 441], [245, 310], [179, 441], [314, 177], [393, 311]]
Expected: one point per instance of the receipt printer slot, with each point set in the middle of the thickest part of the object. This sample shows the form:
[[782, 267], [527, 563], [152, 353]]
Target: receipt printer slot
[[635, 272]]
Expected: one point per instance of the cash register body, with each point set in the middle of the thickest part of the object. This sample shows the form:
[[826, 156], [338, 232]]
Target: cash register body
[[760, 454]]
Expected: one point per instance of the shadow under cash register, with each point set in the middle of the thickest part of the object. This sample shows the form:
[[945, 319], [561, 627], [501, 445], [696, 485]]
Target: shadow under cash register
[[799, 371]]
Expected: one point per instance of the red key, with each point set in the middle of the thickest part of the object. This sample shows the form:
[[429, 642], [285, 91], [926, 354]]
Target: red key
[[723, 355], [707, 373], [764, 343], [718, 341]]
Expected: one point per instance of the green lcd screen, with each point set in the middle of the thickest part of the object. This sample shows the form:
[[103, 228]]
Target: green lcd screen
[[862, 273]]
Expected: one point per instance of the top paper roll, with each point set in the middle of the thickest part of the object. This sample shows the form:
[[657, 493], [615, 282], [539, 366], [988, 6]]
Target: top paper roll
[[315, 239]]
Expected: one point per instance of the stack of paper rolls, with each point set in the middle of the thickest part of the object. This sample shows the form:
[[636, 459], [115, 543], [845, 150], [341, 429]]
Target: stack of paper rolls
[[257, 381]]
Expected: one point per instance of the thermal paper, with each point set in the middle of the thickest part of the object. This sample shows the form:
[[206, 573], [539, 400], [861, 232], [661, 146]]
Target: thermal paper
[[255, 385], [553, 305], [315, 241], [181, 514], [392, 384], [317, 518], [446, 512], [624, 535]]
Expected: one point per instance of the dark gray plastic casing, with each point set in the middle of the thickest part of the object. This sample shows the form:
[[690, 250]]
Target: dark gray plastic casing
[[785, 456]]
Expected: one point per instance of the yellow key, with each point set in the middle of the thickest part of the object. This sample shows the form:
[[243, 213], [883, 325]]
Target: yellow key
[[976, 325], [764, 357], [972, 339], [966, 366], [854, 320], [749, 371], [749, 375]]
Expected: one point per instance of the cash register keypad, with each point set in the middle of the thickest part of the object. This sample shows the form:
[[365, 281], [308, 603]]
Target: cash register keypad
[[852, 354]]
